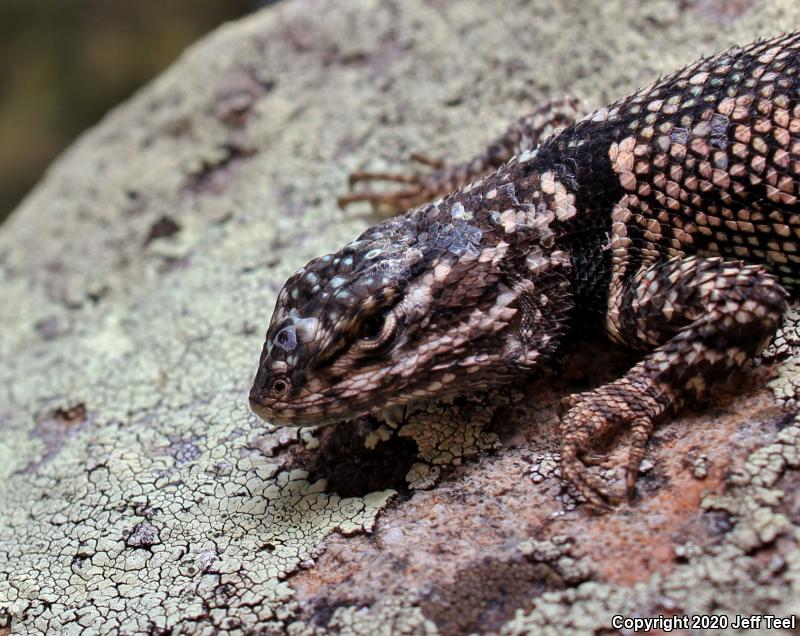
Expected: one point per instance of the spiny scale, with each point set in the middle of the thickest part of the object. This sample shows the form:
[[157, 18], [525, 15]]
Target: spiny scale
[[668, 221]]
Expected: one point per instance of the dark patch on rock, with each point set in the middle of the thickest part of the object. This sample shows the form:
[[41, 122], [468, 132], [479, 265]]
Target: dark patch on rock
[[176, 128], [487, 594], [53, 428], [144, 535], [70, 416], [649, 482], [162, 228], [248, 329], [215, 176], [721, 11], [77, 562], [701, 529], [236, 96], [171, 264], [51, 328], [221, 470], [718, 522], [351, 469], [184, 450], [94, 296], [236, 433], [790, 503], [785, 421], [135, 203], [323, 609]]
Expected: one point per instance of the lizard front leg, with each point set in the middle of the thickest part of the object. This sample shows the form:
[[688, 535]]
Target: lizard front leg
[[526, 132], [705, 317]]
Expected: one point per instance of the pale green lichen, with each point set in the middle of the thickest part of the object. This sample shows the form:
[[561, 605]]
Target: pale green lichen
[[421, 476], [448, 433]]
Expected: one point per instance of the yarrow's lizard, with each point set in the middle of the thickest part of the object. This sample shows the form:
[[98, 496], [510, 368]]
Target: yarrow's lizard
[[668, 220]]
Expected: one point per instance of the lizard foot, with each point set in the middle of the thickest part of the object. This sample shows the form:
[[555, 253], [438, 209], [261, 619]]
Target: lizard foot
[[527, 132], [593, 417], [418, 189]]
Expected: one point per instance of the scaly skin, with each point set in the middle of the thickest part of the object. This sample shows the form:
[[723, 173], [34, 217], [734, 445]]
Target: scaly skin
[[668, 221]]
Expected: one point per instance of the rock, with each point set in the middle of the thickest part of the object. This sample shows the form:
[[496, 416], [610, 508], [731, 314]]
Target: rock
[[139, 493]]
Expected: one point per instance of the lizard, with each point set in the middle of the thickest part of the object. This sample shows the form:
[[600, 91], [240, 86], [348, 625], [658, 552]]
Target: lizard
[[668, 222]]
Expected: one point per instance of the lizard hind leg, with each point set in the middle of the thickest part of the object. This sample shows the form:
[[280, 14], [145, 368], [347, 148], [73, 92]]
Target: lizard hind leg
[[526, 132], [701, 318]]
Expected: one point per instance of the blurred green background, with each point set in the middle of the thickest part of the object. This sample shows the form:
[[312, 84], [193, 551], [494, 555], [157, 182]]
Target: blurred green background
[[66, 62]]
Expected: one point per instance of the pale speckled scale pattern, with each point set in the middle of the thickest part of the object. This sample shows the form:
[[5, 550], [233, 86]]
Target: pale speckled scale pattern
[[636, 220]]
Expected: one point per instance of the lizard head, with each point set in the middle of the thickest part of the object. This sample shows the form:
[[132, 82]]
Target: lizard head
[[417, 307]]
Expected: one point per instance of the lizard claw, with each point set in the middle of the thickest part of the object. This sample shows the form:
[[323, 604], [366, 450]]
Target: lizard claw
[[396, 177], [391, 202], [592, 458], [436, 164], [642, 428]]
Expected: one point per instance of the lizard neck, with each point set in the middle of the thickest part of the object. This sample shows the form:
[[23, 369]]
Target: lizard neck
[[578, 158]]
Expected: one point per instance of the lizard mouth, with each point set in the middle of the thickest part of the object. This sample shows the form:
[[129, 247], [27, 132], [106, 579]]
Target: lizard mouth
[[264, 412], [296, 415]]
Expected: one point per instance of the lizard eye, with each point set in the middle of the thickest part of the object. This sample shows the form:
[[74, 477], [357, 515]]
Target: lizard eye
[[279, 387], [376, 331], [372, 328]]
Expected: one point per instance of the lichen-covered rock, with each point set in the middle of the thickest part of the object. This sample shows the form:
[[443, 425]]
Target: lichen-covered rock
[[139, 495]]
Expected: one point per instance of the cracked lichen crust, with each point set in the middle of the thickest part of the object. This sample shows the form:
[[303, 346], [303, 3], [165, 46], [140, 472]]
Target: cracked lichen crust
[[138, 493], [395, 618], [133, 530], [754, 569], [440, 442]]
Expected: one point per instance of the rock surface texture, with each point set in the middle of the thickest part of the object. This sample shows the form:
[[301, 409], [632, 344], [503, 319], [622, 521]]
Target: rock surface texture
[[140, 496]]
